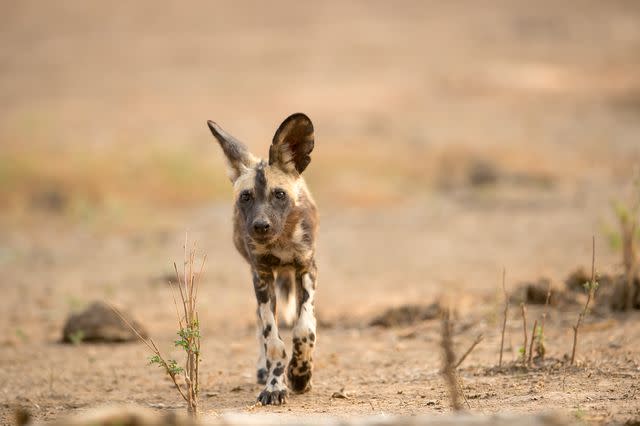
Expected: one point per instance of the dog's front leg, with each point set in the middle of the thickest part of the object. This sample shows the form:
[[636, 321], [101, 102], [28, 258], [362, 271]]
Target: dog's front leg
[[275, 391], [300, 367]]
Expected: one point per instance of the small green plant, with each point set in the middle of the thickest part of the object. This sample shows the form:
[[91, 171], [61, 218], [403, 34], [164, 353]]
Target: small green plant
[[188, 333], [523, 349], [541, 350], [77, 337], [21, 334], [171, 365]]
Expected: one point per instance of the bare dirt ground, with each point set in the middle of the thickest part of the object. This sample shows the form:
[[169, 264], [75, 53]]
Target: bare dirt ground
[[106, 161]]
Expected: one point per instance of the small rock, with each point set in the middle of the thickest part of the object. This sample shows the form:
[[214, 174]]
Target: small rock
[[341, 394], [406, 315], [99, 323], [482, 172], [535, 293]]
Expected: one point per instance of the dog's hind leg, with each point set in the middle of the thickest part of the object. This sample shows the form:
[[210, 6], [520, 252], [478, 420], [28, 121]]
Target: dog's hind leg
[[300, 367], [285, 288]]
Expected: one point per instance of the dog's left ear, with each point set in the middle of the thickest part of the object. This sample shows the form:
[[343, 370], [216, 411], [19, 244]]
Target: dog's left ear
[[292, 144]]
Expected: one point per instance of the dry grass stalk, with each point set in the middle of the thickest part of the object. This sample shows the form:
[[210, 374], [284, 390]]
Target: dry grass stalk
[[504, 319], [628, 225], [628, 219], [523, 307], [591, 287], [540, 348], [471, 348], [449, 357], [189, 332], [533, 339]]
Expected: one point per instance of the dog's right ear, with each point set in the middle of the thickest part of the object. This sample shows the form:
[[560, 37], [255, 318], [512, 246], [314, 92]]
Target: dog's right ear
[[238, 157]]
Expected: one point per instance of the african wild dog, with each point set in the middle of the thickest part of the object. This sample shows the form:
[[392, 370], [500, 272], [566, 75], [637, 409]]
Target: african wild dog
[[275, 223]]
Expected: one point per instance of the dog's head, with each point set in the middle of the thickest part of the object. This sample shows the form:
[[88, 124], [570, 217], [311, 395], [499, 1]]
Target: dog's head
[[267, 192]]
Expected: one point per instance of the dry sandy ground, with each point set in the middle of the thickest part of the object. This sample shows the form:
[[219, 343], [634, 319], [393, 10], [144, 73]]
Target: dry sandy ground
[[406, 101]]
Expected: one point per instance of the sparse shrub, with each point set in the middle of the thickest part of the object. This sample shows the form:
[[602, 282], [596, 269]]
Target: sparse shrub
[[590, 287], [188, 332]]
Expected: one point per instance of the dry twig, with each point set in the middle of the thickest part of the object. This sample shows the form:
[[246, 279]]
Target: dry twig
[[523, 307], [591, 288], [533, 339], [448, 370], [504, 320], [471, 348], [540, 349]]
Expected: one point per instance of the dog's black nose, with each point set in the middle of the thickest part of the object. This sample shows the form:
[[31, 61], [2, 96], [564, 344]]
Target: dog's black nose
[[261, 227]]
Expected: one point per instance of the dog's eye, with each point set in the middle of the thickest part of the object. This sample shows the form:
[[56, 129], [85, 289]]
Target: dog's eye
[[245, 196], [280, 194]]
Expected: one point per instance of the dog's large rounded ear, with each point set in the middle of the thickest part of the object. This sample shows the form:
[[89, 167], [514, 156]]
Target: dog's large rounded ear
[[238, 156], [292, 144]]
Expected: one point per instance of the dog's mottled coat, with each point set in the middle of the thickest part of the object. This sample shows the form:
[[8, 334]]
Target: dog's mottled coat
[[275, 224]]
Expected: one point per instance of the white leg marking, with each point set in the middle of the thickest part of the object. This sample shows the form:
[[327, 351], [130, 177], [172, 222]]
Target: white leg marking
[[275, 391]]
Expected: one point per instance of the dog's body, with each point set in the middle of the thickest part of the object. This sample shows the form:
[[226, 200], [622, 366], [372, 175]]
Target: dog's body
[[275, 224]]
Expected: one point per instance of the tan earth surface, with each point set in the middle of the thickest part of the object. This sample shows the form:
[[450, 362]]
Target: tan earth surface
[[452, 140]]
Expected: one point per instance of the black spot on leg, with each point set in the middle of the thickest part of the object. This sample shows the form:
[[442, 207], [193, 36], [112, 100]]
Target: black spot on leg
[[304, 340], [274, 381], [267, 331], [262, 294], [299, 382], [268, 365], [305, 296], [278, 371], [262, 376], [312, 336], [296, 344]]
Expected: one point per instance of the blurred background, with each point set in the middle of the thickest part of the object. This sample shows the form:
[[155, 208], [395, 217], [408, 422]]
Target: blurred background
[[452, 139]]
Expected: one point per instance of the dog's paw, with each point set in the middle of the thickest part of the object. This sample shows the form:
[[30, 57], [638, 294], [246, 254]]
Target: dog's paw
[[261, 376], [273, 397], [299, 382]]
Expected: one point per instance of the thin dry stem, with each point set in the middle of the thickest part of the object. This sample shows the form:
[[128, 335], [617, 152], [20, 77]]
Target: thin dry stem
[[471, 348], [189, 324], [504, 320], [448, 370], [153, 348], [540, 349], [533, 339], [523, 307], [591, 288]]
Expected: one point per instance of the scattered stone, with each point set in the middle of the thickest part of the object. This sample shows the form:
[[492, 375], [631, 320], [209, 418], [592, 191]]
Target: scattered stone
[[407, 315], [341, 394], [51, 200], [99, 323], [535, 293], [578, 278], [482, 172], [616, 293]]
